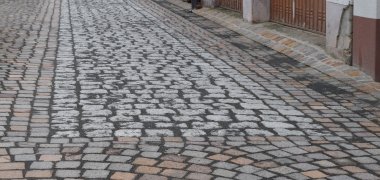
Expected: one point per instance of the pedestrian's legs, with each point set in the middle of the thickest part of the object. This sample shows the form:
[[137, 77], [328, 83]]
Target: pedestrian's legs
[[193, 4]]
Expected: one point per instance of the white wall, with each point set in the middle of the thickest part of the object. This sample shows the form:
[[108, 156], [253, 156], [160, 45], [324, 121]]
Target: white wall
[[367, 8]]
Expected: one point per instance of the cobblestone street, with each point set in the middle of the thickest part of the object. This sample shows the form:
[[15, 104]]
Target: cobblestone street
[[113, 89]]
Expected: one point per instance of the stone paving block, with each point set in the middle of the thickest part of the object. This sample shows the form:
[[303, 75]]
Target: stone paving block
[[353, 169], [314, 174], [12, 166], [151, 154], [242, 161], [15, 151], [123, 175], [39, 174], [305, 166], [334, 171], [67, 164], [147, 170], [197, 154], [265, 174], [13, 174], [41, 165], [95, 174], [225, 165], [341, 177], [283, 170], [199, 176], [224, 173], [95, 165], [172, 164], [145, 161], [173, 173], [200, 161], [149, 177], [200, 169], [365, 176], [94, 157], [325, 163], [120, 167], [68, 173], [130, 152], [266, 164], [219, 157], [114, 158], [243, 176], [30, 157], [176, 158], [50, 157]]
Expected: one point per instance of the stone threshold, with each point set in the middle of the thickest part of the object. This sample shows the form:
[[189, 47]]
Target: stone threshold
[[309, 53]]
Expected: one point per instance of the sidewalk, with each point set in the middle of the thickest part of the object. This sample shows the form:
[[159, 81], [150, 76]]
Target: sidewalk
[[311, 54]]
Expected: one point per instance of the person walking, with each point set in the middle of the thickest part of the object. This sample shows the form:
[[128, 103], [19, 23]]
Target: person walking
[[193, 5]]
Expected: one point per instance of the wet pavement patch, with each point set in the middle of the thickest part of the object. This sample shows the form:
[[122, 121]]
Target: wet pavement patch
[[326, 88]]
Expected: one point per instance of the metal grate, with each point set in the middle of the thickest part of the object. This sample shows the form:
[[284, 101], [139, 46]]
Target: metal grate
[[306, 14], [234, 5]]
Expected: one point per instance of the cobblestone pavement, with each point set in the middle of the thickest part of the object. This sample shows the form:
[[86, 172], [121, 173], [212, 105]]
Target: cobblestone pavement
[[142, 89], [292, 42]]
